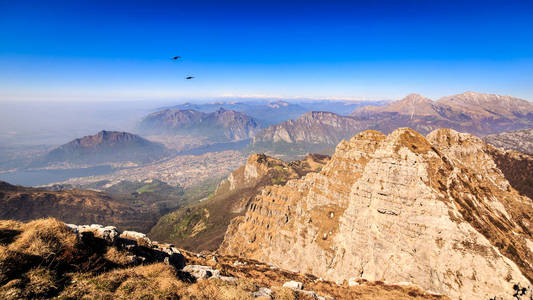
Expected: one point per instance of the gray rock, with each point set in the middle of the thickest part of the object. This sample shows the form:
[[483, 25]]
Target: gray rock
[[201, 272], [295, 285]]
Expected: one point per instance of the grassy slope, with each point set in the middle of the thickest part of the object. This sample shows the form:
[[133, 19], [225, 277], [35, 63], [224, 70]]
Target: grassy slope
[[43, 259]]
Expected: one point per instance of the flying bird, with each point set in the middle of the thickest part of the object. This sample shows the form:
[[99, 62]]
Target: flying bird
[[189, 77], [176, 57]]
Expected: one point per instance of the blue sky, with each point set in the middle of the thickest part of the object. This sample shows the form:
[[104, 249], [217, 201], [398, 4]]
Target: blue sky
[[120, 50]]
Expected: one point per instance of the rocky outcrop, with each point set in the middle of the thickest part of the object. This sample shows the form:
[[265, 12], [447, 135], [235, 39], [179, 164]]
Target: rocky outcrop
[[46, 259], [201, 226], [433, 211], [520, 140], [141, 249]]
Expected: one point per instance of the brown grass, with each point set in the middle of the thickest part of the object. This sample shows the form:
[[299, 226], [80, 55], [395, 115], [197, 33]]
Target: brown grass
[[44, 237], [157, 281], [118, 257], [46, 260]]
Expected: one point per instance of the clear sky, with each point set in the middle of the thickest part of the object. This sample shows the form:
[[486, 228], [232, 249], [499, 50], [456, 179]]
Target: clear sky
[[116, 50]]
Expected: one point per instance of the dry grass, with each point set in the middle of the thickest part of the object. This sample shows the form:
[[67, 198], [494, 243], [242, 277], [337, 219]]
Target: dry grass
[[157, 281], [219, 289], [283, 293], [44, 237], [11, 225], [118, 257], [41, 282], [43, 259], [9, 230]]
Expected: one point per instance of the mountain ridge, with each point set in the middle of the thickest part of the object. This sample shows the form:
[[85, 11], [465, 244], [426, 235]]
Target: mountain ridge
[[223, 125], [104, 147], [397, 208], [313, 132]]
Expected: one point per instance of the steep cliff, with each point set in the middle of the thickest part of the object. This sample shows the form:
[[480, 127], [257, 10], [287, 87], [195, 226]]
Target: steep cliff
[[201, 226], [315, 131], [434, 211]]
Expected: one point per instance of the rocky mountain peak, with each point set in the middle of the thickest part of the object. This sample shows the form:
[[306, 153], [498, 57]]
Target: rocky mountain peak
[[434, 211], [221, 125], [415, 98]]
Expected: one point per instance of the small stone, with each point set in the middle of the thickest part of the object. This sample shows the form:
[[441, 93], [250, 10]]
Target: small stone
[[295, 285], [352, 282], [201, 272]]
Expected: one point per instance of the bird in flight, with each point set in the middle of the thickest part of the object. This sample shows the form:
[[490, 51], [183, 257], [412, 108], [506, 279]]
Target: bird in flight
[[176, 57], [189, 77]]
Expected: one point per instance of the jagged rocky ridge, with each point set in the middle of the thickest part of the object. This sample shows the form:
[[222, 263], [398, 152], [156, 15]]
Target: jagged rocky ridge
[[312, 132], [201, 226], [433, 211]]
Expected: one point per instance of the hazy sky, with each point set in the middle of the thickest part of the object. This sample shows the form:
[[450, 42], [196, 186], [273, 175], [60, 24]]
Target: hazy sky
[[120, 50]]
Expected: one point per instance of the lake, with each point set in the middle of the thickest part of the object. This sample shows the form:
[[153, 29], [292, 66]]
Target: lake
[[41, 177]]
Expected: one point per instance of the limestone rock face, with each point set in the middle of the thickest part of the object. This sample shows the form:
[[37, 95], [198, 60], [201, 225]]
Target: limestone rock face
[[433, 211]]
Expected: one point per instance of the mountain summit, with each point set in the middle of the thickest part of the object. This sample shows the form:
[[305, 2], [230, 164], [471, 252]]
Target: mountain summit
[[222, 125], [105, 147], [433, 211]]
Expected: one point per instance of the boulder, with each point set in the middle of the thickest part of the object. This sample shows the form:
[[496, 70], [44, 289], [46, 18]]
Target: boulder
[[295, 285], [201, 272]]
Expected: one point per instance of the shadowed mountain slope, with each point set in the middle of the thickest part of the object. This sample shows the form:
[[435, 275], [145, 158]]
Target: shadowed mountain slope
[[71, 206]]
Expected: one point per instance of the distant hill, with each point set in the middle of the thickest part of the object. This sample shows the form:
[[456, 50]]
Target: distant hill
[[201, 226], [104, 147], [71, 206], [220, 126], [520, 140], [475, 113]]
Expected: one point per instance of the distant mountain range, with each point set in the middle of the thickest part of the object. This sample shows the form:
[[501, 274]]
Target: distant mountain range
[[480, 114], [220, 126], [270, 113], [104, 147], [476, 113]]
